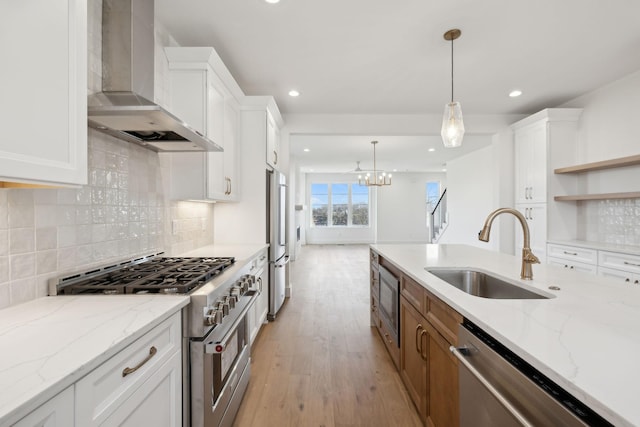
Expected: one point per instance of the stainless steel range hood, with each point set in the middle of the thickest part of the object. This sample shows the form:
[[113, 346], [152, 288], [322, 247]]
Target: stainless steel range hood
[[125, 107]]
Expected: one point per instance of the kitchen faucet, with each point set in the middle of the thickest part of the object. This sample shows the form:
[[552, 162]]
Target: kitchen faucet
[[528, 257]]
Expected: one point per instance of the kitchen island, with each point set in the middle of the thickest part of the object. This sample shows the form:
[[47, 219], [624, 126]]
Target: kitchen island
[[585, 337]]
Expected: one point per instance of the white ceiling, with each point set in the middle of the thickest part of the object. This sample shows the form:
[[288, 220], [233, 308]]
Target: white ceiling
[[389, 57]]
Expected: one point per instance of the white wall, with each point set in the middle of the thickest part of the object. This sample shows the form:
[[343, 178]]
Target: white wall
[[470, 198], [402, 210]]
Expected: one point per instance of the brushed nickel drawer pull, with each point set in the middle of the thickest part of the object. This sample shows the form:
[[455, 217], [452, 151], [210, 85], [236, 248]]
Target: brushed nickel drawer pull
[[423, 356], [571, 253], [418, 339], [127, 371], [631, 263]]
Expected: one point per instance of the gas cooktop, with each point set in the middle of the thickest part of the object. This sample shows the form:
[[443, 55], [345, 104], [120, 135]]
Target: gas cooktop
[[153, 274]]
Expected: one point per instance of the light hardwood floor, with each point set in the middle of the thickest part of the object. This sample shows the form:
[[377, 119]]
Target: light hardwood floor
[[320, 363]]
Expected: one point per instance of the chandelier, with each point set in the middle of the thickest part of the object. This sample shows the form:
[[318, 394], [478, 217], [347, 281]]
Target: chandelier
[[452, 124], [376, 178]]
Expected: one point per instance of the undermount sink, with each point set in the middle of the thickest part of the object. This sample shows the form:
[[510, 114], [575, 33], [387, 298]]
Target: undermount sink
[[484, 285]]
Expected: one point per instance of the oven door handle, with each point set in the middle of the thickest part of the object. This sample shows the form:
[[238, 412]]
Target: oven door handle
[[210, 347], [459, 353]]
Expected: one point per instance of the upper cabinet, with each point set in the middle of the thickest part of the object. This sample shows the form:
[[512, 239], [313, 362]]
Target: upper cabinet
[[531, 163], [542, 142], [204, 94], [273, 142], [43, 81]]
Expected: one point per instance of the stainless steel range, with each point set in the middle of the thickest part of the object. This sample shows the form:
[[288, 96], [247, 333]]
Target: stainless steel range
[[216, 352]]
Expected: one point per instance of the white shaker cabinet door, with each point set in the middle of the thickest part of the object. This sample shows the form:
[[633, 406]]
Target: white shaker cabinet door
[[56, 412], [536, 216], [43, 82], [531, 163], [273, 142]]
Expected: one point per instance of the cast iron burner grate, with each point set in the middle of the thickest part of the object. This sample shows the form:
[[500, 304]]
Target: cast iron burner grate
[[163, 275]]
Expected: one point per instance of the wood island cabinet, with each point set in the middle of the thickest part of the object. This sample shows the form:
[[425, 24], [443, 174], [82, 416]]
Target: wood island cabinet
[[428, 327]]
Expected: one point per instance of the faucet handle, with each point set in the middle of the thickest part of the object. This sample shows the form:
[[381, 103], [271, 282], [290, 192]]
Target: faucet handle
[[529, 257]]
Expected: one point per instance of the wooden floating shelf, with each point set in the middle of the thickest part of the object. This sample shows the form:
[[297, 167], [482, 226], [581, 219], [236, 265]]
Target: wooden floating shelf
[[605, 164], [603, 196]]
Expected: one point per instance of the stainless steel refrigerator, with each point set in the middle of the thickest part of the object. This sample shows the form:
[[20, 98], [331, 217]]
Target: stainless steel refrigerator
[[277, 239]]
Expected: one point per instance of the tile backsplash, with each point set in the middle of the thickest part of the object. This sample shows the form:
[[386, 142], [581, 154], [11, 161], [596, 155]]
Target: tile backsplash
[[123, 212], [611, 221]]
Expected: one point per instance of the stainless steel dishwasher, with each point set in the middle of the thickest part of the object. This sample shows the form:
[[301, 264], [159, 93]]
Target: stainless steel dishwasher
[[498, 388]]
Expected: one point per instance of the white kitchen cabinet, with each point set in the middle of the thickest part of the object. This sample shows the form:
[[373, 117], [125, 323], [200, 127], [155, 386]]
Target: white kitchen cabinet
[[531, 163], [56, 412], [542, 142], [141, 385], [43, 82], [273, 142], [620, 275], [202, 96], [258, 315], [536, 216], [625, 267], [573, 254], [573, 258], [572, 265]]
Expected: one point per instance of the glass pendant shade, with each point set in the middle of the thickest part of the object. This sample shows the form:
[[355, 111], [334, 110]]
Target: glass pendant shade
[[452, 125]]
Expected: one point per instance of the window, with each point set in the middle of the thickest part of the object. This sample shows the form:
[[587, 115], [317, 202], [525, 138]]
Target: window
[[319, 204], [339, 205], [432, 197]]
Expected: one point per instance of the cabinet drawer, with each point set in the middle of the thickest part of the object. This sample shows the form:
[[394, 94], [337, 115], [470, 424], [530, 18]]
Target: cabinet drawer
[[444, 318], [393, 350], [620, 275], [572, 265], [572, 253], [414, 293], [627, 262], [109, 386]]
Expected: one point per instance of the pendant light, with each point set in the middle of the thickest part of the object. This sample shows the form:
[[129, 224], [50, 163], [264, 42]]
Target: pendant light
[[452, 124], [379, 178]]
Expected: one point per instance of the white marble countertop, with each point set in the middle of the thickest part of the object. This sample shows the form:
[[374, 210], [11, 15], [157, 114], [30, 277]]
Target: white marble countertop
[[50, 343], [611, 247], [586, 338]]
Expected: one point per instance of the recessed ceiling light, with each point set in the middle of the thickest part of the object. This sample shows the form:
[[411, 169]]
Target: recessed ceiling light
[[444, 170], [432, 149], [306, 150], [272, 1], [294, 93], [395, 170], [515, 93]]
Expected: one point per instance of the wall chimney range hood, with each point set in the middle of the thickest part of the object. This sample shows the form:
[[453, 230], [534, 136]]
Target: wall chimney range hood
[[125, 107]]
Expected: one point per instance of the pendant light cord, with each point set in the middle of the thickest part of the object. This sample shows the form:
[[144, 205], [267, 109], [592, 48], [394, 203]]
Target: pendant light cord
[[452, 70]]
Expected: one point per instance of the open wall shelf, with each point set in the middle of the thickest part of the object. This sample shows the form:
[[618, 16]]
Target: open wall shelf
[[603, 196], [605, 164]]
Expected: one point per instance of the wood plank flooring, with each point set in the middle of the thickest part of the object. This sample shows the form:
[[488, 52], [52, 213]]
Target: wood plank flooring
[[320, 363]]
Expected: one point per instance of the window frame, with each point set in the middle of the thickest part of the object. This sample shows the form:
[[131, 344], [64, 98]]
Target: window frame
[[350, 210]]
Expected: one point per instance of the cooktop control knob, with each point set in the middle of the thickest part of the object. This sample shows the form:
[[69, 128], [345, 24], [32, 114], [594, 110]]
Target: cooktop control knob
[[225, 308], [213, 317], [231, 299]]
